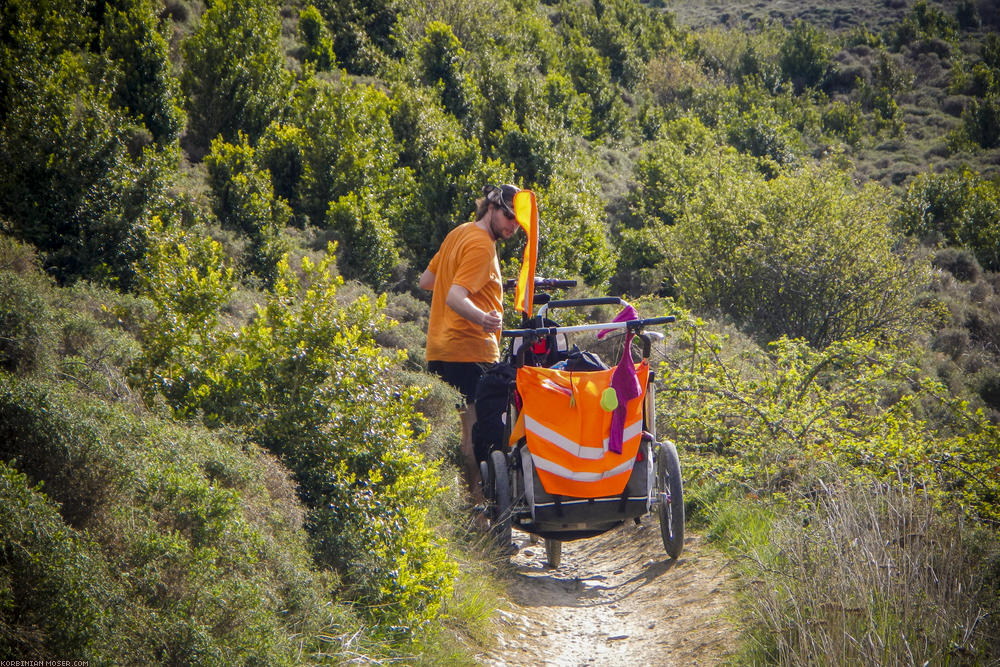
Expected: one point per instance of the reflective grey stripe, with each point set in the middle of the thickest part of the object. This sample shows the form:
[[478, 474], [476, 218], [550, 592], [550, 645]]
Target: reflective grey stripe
[[566, 473], [575, 448]]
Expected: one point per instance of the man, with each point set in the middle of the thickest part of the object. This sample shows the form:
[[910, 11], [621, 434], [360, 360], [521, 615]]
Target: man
[[463, 335]]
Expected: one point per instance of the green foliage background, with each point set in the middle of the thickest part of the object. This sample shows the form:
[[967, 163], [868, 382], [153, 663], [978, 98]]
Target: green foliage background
[[212, 217]]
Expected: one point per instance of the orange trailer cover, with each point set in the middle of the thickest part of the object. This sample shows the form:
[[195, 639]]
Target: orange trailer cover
[[567, 430]]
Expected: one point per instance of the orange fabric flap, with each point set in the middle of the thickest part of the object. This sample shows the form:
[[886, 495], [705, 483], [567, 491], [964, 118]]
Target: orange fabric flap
[[567, 430]]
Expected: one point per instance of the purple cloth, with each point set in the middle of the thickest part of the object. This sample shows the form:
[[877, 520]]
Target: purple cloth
[[628, 313], [625, 382]]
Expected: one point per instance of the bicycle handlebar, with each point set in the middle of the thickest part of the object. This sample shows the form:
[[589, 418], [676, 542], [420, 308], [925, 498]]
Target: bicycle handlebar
[[633, 325], [543, 283]]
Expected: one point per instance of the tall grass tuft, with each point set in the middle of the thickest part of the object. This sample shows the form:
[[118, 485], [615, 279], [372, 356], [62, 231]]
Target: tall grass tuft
[[872, 575]]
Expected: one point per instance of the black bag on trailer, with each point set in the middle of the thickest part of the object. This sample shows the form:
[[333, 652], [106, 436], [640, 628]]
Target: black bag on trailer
[[580, 360], [493, 393]]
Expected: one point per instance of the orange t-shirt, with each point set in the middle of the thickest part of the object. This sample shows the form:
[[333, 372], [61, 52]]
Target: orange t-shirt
[[467, 257]]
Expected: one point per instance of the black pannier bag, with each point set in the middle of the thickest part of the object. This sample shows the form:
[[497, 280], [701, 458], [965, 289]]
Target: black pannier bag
[[579, 360], [493, 392]]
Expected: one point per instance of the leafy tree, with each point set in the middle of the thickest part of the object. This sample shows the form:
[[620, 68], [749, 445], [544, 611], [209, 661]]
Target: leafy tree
[[535, 148], [760, 132], [186, 276], [805, 255], [370, 245], [443, 66], [69, 185], [845, 121], [924, 21], [960, 208], [805, 55], [234, 76], [146, 88], [316, 37], [562, 98], [244, 200]]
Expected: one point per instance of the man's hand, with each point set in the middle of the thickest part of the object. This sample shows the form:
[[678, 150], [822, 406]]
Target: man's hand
[[492, 321], [459, 301]]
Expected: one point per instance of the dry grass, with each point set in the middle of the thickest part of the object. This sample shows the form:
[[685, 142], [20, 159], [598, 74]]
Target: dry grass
[[874, 576]]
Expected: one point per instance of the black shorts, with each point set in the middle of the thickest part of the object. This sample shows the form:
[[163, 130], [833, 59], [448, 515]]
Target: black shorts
[[462, 375]]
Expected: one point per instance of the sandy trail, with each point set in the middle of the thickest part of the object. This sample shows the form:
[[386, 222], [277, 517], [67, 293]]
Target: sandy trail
[[616, 600]]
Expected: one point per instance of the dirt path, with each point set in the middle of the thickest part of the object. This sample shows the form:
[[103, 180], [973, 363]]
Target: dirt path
[[616, 600]]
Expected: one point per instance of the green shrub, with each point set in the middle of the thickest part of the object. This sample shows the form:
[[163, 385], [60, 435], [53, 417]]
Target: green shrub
[[845, 121], [54, 582], [282, 152], [26, 325], [244, 200], [767, 421], [317, 40], [981, 121], [305, 378], [146, 89], [960, 208], [67, 182], [442, 61], [571, 232], [186, 546], [806, 255], [52, 444], [805, 55], [234, 76], [370, 248]]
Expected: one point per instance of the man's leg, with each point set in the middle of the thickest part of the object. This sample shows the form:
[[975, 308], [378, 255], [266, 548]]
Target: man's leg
[[469, 462]]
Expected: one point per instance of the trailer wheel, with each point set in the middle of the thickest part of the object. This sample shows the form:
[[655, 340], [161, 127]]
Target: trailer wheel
[[671, 498], [500, 519], [553, 552]]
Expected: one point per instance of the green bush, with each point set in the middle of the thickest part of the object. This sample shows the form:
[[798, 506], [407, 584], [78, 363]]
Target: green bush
[[766, 421], [362, 31], [442, 62], [26, 325], [67, 182], [317, 40], [572, 236], [805, 55], [54, 582], [959, 208], [845, 121], [50, 443], [282, 152], [981, 121], [185, 547], [349, 146], [234, 76], [146, 88], [806, 255], [244, 200], [369, 245], [306, 379]]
